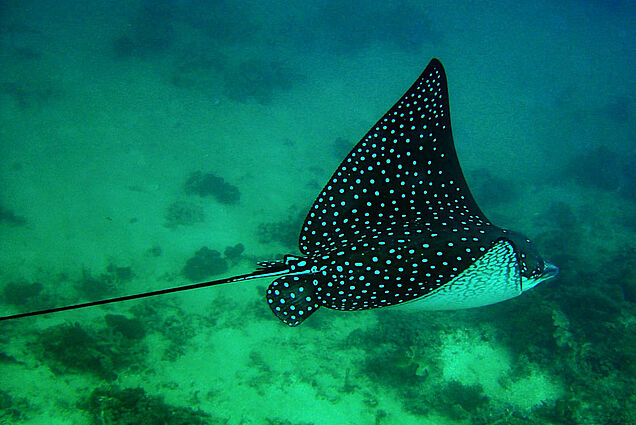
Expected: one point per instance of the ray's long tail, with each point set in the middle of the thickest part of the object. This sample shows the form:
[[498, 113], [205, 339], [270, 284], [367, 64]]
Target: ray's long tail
[[266, 269]]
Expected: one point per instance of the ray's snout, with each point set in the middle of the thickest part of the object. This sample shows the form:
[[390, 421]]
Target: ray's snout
[[549, 271]]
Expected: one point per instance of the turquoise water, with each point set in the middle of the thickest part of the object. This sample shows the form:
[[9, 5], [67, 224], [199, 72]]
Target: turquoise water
[[113, 113]]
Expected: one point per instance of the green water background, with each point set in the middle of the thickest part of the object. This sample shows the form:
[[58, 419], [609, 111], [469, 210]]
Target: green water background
[[109, 109]]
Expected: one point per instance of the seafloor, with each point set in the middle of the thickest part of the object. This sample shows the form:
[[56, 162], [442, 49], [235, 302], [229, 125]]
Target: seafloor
[[146, 144]]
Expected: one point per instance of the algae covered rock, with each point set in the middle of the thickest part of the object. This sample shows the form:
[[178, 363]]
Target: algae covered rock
[[23, 294], [133, 406], [210, 184], [133, 329], [206, 262], [72, 348]]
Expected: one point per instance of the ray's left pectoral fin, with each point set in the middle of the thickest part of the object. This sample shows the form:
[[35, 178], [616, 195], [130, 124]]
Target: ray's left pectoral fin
[[292, 299]]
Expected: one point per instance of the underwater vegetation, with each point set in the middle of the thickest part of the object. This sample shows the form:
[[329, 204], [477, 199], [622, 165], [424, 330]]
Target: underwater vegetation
[[459, 401], [11, 408], [205, 263], [22, 294], [183, 213], [234, 253], [408, 365], [133, 406], [276, 421], [209, 184], [103, 353], [106, 283], [576, 331], [132, 329], [393, 367]]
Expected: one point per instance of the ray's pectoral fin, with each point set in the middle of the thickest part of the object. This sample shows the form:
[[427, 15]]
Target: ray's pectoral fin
[[292, 298]]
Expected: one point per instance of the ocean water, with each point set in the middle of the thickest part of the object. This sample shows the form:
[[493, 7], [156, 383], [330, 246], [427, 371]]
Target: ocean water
[[135, 134]]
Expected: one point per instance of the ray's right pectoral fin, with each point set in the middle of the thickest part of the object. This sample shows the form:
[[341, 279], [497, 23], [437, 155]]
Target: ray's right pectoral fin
[[292, 299]]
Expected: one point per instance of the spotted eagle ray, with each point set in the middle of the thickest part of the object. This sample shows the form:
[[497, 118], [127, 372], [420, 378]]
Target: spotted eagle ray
[[396, 225]]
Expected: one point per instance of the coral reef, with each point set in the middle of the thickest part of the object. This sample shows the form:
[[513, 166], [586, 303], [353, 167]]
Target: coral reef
[[205, 263], [24, 294], [133, 329], [120, 274], [234, 253], [8, 359], [183, 213], [73, 349], [11, 409], [210, 184], [393, 367], [132, 406], [105, 284], [459, 401], [278, 421]]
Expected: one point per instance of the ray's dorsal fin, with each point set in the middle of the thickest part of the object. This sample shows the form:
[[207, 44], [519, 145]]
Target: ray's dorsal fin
[[398, 171]]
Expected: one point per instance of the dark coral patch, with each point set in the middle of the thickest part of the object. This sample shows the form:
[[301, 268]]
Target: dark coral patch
[[23, 294], [128, 328], [112, 405], [210, 184], [73, 349], [234, 253], [206, 262], [105, 284]]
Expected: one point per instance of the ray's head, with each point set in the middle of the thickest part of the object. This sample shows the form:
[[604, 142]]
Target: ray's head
[[533, 268]]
